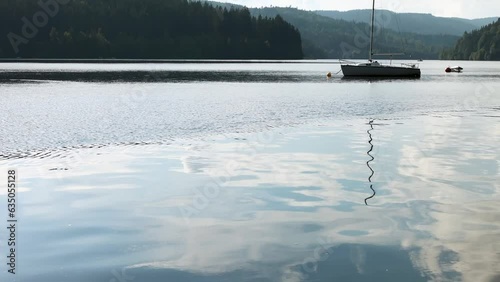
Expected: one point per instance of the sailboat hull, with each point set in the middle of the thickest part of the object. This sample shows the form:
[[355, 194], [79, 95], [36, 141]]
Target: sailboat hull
[[379, 71]]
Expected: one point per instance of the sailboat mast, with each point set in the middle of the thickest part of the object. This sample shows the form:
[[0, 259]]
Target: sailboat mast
[[372, 31]]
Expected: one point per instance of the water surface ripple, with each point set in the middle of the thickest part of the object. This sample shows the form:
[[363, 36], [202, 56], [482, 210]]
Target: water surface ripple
[[230, 178]]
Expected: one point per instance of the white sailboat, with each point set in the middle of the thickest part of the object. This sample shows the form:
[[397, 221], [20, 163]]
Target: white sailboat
[[374, 68]]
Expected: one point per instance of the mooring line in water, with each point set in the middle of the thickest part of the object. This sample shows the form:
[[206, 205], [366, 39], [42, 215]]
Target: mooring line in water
[[369, 161], [329, 75]]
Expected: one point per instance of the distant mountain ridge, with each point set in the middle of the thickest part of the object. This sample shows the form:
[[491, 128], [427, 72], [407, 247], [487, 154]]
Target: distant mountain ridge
[[324, 37], [411, 22], [333, 34], [402, 22]]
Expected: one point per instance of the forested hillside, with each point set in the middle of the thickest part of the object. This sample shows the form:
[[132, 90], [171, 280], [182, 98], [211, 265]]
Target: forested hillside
[[324, 37], [411, 22], [482, 44], [141, 29]]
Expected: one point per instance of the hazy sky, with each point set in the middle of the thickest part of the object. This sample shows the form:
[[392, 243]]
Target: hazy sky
[[445, 8]]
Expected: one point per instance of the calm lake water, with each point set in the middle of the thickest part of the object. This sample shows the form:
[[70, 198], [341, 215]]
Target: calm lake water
[[250, 172]]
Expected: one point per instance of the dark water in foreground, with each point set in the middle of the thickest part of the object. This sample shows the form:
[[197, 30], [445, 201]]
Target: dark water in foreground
[[251, 172]]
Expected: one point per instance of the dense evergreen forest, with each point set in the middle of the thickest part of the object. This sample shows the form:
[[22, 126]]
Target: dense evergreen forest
[[482, 44], [163, 29]]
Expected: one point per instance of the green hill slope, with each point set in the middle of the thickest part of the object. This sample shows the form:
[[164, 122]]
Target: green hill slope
[[482, 44], [324, 37], [411, 22]]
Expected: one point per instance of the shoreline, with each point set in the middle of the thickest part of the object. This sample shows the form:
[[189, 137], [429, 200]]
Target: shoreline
[[167, 61]]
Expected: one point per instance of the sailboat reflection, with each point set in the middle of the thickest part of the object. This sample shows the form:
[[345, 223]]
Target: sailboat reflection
[[369, 161]]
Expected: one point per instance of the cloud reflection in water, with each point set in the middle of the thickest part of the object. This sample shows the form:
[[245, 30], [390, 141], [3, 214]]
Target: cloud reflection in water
[[300, 197]]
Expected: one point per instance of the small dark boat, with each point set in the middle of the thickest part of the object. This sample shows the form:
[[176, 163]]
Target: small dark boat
[[454, 69]]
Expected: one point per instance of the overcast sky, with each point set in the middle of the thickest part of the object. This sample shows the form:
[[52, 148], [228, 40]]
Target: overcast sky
[[445, 8]]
